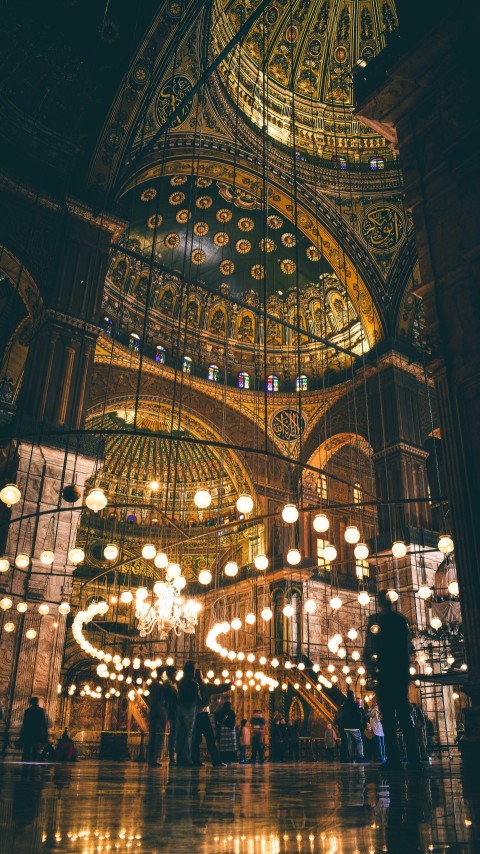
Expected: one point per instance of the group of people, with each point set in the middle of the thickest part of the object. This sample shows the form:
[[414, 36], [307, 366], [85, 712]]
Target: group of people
[[285, 739], [182, 708], [34, 739]]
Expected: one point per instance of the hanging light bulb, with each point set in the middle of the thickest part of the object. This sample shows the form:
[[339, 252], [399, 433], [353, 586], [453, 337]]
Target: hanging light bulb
[[424, 592], [352, 534], [310, 606], [321, 523], [355, 655], [352, 634], [43, 609], [22, 560], [141, 593], [453, 588], [336, 603], [363, 598], [231, 568], [22, 607], [329, 552], [361, 551], [288, 610], [64, 609], [293, 557], [149, 551], [445, 544], [6, 603], [236, 624], [173, 571], [47, 557], [180, 582], [392, 595], [9, 627], [289, 514], [10, 494], [161, 560], [399, 549], [261, 562], [4, 564], [30, 634], [110, 551], [267, 615], [96, 500], [204, 576], [244, 503], [202, 499], [126, 597], [76, 555], [436, 623], [250, 618]]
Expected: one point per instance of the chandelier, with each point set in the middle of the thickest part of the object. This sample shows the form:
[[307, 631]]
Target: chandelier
[[167, 612]]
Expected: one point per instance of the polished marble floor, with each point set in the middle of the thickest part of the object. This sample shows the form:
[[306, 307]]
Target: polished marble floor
[[92, 808]]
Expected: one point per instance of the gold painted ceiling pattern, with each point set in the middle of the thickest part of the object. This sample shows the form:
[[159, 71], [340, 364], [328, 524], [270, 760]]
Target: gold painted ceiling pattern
[[292, 71]]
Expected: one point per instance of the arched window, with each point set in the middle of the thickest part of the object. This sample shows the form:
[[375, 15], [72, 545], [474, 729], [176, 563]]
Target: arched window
[[272, 382], [108, 325], [322, 490], [243, 380], [377, 163], [357, 493], [160, 354], [213, 373], [187, 365], [134, 341], [339, 162], [302, 383]]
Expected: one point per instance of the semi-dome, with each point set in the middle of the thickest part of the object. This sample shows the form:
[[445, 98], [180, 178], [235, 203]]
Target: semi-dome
[[296, 61]]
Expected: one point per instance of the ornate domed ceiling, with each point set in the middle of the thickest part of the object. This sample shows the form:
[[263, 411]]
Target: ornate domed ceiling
[[211, 232], [314, 44]]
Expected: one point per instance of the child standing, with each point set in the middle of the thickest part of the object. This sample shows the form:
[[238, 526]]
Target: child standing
[[244, 740]]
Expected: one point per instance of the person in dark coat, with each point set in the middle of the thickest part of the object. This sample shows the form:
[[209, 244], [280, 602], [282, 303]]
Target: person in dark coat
[[225, 720], [279, 736], [171, 696], [188, 700], [387, 659], [294, 740], [65, 750], [351, 720], [203, 724], [158, 717], [34, 731]]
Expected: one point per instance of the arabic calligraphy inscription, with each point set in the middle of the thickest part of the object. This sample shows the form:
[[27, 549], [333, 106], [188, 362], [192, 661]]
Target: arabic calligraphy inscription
[[382, 227]]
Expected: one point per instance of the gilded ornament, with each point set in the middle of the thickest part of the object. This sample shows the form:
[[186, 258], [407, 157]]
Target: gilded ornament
[[172, 240], [221, 238], [148, 194], [200, 228], [202, 181], [288, 240], [224, 215], [198, 256], [178, 180], [177, 198], [274, 221], [227, 267], [288, 266], [257, 271], [243, 246], [183, 216], [154, 221], [204, 202], [313, 254], [267, 244], [245, 223]]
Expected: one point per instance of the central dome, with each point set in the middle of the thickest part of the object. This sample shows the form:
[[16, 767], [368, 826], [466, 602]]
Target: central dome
[[291, 73]]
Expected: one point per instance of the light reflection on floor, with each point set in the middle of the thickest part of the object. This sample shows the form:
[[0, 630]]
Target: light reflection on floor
[[94, 808]]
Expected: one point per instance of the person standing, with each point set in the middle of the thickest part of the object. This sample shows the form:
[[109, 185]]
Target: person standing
[[188, 700], [387, 659], [375, 720], [158, 717], [330, 739], [228, 733], [293, 738], [34, 731], [171, 691], [244, 740], [278, 738], [352, 720], [203, 725], [420, 727], [258, 724]]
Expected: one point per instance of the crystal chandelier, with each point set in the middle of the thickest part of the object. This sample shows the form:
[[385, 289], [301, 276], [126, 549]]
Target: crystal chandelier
[[167, 612]]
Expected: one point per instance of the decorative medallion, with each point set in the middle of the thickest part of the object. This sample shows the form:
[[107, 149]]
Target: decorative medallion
[[202, 181], [291, 34], [243, 246], [176, 198], [267, 244], [288, 266], [257, 271], [183, 216], [288, 240], [221, 238], [382, 227], [313, 254], [288, 424], [172, 240], [368, 53], [245, 223], [204, 202], [148, 194], [198, 256], [341, 54], [274, 221], [227, 267], [174, 9], [178, 180], [140, 74], [224, 215], [271, 15], [171, 95], [200, 228], [155, 220], [315, 48]]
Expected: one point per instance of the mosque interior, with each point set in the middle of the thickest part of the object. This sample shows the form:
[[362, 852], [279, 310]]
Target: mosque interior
[[239, 397]]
